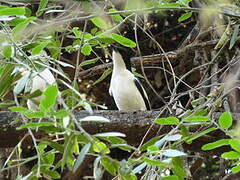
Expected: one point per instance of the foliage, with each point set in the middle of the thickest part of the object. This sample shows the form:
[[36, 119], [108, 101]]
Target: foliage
[[26, 51]]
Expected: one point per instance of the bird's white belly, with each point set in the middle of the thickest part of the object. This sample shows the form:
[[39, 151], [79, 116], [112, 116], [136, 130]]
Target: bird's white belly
[[126, 94]]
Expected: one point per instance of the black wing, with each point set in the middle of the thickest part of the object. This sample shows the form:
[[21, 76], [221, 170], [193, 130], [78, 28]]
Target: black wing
[[143, 93]]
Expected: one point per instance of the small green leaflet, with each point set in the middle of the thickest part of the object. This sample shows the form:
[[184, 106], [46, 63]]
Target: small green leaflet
[[18, 29], [7, 51], [153, 162], [234, 36], [12, 11], [167, 121], [103, 76], [86, 49], [100, 23], [225, 120], [123, 41], [35, 125], [50, 97], [116, 17], [199, 134], [37, 49], [41, 7], [235, 144], [172, 177], [197, 119], [184, 16], [76, 32], [231, 155], [236, 169], [91, 61], [110, 165], [216, 144]]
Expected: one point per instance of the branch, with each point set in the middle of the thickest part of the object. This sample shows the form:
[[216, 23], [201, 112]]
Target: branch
[[134, 124]]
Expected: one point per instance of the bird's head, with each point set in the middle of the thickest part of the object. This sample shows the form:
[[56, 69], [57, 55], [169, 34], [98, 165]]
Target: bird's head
[[120, 53]]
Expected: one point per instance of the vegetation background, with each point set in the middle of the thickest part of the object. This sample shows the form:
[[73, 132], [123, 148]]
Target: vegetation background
[[186, 52]]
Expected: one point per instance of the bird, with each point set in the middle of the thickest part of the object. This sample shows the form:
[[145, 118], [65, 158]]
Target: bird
[[40, 81], [127, 91]]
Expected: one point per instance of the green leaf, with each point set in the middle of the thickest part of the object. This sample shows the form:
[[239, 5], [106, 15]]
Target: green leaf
[[234, 36], [231, 155], [124, 147], [184, 131], [6, 104], [100, 23], [129, 176], [18, 109], [114, 140], [225, 120], [33, 114], [110, 165], [53, 144], [37, 49], [184, 16], [172, 177], [67, 157], [197, 119], [12, 11], [178, 168], [21, 83], [116, 17], [224, 38], [86, 49], [81, 156], [123, 41], [101, 147], [49, 158], [50, 97], [103, 76], [41, 7], [50, 173], [235, 144], [152, 148], [7, 51], [91, 61], [216, 144], [76, 32], [61, 113], [149, 143], [153, 162], [173, 153], [33, 125], [199, 134], [6, 79], [167, 121], [236, 169], [18, 30]]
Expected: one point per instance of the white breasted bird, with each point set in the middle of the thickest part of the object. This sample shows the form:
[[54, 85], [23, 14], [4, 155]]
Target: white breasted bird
[[126, 89], [41, 81]]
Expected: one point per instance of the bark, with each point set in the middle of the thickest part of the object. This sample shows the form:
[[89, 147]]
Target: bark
[[134, 124]]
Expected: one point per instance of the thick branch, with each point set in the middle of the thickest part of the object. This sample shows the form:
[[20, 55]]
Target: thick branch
[[134, 124]]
